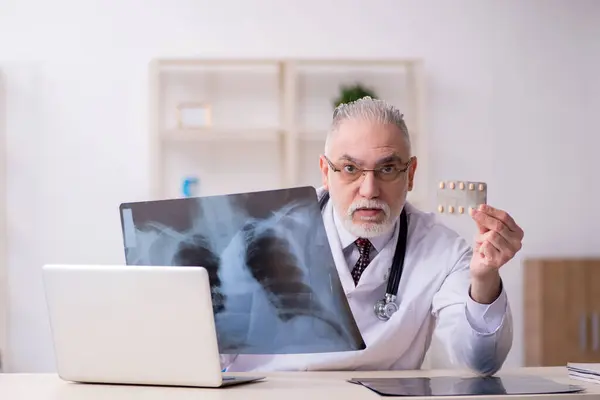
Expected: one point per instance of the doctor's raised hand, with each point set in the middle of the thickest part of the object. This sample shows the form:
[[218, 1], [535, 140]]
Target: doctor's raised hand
[[498, 240]]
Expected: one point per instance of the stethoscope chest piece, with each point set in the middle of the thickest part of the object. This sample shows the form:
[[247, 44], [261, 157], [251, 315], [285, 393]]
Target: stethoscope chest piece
[[385, 308]]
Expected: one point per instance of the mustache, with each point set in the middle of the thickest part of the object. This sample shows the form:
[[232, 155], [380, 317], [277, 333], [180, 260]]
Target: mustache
[[376, 204]]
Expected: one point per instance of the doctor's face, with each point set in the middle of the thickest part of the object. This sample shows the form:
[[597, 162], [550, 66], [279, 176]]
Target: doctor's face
[[368, 171]]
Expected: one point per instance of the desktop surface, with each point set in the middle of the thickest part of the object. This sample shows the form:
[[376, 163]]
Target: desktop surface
[[277, 385]]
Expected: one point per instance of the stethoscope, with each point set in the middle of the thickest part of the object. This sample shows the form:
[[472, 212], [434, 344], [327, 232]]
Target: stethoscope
[[386, 307]]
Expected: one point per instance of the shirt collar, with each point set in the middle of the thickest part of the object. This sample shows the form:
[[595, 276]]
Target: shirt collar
[[347, 238]]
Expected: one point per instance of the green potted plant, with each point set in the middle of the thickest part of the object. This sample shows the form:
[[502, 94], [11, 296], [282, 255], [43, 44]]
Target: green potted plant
[[350, 93]]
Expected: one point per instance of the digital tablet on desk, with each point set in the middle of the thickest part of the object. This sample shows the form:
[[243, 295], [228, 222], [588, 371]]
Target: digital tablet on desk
[[465, 386], [134, 325]]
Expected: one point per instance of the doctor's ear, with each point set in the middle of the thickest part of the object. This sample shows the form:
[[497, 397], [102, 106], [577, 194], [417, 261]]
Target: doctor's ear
[[324, 166], [411, 173]]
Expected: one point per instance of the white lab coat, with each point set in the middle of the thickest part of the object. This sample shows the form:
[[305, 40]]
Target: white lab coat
[[433, 293]]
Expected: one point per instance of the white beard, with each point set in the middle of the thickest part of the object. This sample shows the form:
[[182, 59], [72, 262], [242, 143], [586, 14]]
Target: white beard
[[368, 227]]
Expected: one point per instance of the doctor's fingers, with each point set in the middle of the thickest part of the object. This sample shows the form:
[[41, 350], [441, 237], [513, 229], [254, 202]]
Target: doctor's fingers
[[492, 255], [501, 216], [488, 223], [482, 228], [495, 249], [476, 248], [509, 246]]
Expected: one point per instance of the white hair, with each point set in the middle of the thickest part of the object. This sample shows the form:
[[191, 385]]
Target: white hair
[[371, 109]]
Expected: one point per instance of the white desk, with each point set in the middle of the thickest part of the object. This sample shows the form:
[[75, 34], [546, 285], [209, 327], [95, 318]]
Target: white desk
[[284, 386]]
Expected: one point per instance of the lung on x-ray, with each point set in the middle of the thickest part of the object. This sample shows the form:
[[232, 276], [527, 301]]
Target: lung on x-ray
[[274, 285]]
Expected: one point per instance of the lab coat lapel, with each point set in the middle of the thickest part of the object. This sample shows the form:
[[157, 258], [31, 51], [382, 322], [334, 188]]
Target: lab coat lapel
[[336, 250]]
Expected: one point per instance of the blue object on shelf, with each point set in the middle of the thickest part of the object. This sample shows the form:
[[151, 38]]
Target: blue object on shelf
[[189, 186]]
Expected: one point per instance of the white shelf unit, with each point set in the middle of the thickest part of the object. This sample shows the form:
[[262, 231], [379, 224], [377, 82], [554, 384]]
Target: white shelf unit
[[269, 119], [3, 228]]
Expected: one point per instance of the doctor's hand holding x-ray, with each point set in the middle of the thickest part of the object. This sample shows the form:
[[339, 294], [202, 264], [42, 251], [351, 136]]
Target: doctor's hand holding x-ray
[[449, 288]]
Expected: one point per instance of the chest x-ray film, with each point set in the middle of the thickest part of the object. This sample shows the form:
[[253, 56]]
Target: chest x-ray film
[[274, 284]]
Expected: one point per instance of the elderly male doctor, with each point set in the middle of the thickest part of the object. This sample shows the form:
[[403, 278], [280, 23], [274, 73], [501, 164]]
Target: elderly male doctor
[[448, 288]]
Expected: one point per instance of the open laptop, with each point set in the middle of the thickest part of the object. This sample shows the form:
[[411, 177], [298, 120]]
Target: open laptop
[[148, 325]]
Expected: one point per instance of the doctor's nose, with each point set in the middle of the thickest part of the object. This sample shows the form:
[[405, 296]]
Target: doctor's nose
[[369, 187]]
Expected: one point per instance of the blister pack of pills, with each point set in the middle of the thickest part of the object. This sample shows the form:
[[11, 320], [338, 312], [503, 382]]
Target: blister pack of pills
[[460, 197]]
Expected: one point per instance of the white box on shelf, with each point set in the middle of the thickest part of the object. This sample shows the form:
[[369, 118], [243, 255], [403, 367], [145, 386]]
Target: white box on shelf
[[193, 115]]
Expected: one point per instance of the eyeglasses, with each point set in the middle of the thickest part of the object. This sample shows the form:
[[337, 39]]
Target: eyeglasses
[[350, 172]]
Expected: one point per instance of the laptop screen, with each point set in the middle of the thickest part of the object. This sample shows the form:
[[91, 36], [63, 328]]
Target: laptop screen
[[274, 284]]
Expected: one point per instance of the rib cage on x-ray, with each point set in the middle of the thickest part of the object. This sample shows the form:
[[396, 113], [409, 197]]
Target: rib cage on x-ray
[[274, 285]]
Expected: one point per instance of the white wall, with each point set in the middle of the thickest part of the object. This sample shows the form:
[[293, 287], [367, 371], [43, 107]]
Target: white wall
[[513, 96]]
